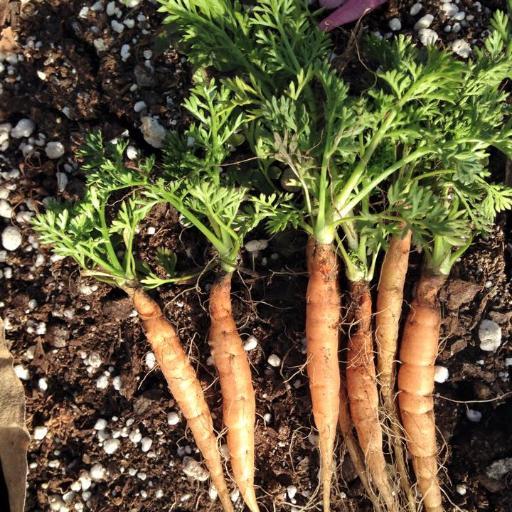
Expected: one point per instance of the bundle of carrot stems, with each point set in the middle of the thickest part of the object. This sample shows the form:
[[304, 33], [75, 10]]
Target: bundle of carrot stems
[[372, 168]]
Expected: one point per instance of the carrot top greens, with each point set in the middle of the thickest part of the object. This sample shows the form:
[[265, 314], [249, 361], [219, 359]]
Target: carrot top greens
[[420, 131]]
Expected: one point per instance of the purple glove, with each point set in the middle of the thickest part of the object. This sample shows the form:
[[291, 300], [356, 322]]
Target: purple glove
[[331, 4], [351, 11]]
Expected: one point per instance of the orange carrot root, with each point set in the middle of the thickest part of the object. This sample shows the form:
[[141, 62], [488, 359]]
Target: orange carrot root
[[416, 385], [387, 325], [363, 395], [353, 449], [389, 310], [184, 386], [322, 334], [238, 399]]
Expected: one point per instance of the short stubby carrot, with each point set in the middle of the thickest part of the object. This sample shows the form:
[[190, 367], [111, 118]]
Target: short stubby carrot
[[322, 334], [363, 394], [184, 386], [416, 385], [238, 398]]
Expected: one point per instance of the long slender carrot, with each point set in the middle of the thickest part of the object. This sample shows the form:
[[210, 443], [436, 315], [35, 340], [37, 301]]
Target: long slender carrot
[[363, 395], [238, 399], [416, 384], [184, 386], [389, 309], [322, 334], [387, 324]]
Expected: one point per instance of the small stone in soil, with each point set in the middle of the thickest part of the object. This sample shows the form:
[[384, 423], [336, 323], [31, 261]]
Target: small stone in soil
[[42, 384], [5, 209], [461, 48], [427, 36], [291, 490], [395, 24]]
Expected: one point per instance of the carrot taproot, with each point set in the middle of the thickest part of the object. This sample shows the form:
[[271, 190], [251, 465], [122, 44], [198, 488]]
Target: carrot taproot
[[184, 386], [418, 353], [322, 337], [387, 324], [389, 310], [356, 456], [238, 398], [363, 395]]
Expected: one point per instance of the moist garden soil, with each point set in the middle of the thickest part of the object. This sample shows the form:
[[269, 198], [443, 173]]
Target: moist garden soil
[[68, 84]]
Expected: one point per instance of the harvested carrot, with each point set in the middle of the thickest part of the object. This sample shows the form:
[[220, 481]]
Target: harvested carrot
[[184, 386], [416, 385], [238, 398], [353, 449], [387, 324], [389, 309], [322, 333], [363, 395]]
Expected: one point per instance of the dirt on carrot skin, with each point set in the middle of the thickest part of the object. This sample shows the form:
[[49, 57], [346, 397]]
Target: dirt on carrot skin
[[86, 321]]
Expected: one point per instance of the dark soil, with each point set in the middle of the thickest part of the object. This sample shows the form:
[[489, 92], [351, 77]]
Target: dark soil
[[84, 89]]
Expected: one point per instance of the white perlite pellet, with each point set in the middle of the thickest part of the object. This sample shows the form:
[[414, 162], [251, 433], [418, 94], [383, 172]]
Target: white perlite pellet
[[461, 48], [40, 433], [97, 473], [194, 470], [100, 424], [11, 238], [146, 443], [173, 418], [111, 445], [424, 22], [24, 128], [415, 9], [473, 416], [251, 343], [441, 374], [395, 24], [428, 36], [54, 150], [274, 360], [152, 131], [5, 209], [150, 360], [489, 334], [256, 245], [21, 372]]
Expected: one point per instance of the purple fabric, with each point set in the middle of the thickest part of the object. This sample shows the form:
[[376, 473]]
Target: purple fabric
[[331, 4], [351, 11]]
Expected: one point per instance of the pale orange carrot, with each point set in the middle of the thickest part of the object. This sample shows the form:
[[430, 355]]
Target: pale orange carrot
[[363, 395], [322, 335], [416, 384], [184, 386], [356, 456], [387, 325], [389, 310], [238, 399]]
